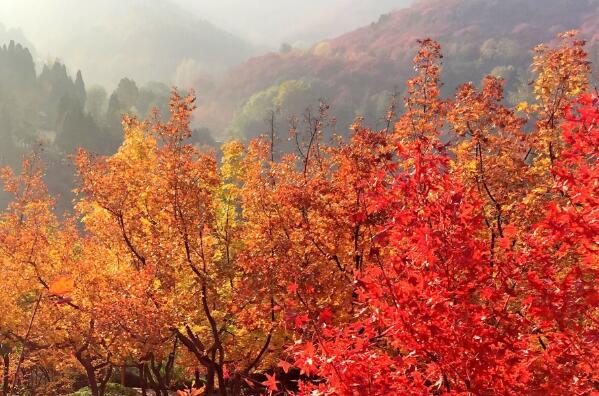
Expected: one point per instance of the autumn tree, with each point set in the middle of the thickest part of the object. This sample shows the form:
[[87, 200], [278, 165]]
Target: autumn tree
[[448, 311], [169, 218], [44, 321], [491, 153]]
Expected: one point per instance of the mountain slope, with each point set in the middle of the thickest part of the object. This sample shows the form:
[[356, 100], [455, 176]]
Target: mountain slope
[[356, 71], [134, 38]]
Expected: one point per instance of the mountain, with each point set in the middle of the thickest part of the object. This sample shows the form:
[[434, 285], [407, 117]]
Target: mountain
[[109, 39], [356, 72]]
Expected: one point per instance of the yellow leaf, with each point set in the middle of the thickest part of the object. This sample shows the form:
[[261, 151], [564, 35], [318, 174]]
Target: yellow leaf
[[522, 106]]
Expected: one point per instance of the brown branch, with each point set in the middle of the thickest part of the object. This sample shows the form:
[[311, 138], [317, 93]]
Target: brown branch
[[22, 355]]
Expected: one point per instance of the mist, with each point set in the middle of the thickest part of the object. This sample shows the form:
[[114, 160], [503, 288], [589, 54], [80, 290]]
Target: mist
[[169, 40]]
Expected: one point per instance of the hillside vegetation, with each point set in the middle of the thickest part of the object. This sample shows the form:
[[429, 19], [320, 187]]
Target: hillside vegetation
[[358, 72]]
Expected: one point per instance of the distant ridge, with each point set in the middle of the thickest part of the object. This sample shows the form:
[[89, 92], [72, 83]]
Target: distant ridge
[[357, 70]]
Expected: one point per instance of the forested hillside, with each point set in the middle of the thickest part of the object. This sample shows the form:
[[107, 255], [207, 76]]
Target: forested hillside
[[358, 72]]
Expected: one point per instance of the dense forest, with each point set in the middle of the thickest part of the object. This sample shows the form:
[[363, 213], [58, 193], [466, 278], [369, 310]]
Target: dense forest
[[438, 237]]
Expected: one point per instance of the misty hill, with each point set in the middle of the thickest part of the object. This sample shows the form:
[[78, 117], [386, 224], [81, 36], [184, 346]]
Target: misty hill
[[338, 17], [300, 23], [111, 39], [357, 71]]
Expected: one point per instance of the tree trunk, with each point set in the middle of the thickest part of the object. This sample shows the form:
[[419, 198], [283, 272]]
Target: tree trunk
[[210, 380], [236, 385], [123, 375], [104, 380], [142, 380], [197, 378], [155, 380], [91, 380], [5, 373], [222, 386]]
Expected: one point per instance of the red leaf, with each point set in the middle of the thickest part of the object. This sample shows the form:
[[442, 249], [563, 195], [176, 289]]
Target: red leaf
[[325, 315], [284, 365], [292, 288], [271, 383]]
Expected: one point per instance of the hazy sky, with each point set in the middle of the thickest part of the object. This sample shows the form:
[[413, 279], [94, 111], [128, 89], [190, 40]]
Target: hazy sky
[[95, 35], [269, 22], [263, 22]]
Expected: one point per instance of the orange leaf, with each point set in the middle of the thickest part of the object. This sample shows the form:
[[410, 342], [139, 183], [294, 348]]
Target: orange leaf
[[510, 230], [62, 286]]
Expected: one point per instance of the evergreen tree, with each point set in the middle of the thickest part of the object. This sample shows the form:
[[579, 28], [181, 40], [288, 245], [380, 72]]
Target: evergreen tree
[[80, 88]]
